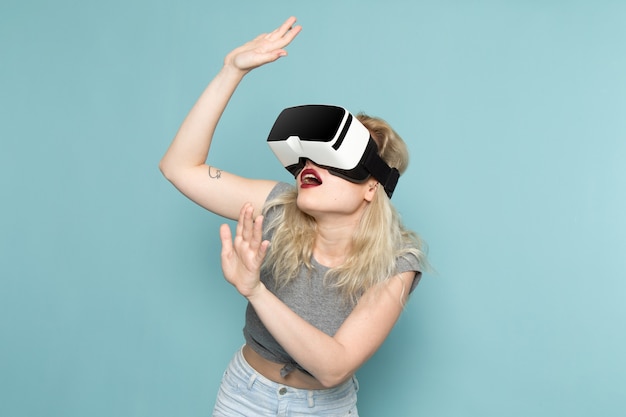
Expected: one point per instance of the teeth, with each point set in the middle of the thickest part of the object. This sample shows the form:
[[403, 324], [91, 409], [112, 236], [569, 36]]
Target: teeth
[[310, 178]]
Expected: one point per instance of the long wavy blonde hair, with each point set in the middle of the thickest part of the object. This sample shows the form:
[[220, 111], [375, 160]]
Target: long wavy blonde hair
[[378, 241]]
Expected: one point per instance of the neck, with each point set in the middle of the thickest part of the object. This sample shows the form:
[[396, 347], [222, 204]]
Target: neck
[[333, 243]]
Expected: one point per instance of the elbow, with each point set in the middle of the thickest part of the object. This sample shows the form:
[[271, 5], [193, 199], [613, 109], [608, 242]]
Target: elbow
[[163, 167], [175, 170], [166, 169], [163, 172], [334, 369], [332, 379]]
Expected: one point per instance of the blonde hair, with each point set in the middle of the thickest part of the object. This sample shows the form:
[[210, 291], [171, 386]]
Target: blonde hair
[[378, 241]]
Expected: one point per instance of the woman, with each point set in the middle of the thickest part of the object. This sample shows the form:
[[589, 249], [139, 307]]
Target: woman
[[326, 293]]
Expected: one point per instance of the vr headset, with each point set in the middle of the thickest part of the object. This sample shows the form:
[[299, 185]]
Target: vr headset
[[332, 138]]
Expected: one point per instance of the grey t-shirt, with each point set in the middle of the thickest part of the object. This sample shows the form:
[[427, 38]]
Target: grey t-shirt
[[320, 305]]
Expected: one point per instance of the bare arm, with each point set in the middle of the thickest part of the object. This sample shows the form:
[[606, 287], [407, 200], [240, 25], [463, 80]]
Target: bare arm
[[330, 360], [184, 163]]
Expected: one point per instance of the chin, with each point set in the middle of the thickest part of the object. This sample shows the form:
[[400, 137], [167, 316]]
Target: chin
[[306, 204]]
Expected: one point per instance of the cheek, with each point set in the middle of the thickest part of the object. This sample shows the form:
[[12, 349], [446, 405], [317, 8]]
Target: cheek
[[349, 197]]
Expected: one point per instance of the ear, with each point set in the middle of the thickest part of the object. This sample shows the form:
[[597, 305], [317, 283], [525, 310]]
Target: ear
[[370, 191]]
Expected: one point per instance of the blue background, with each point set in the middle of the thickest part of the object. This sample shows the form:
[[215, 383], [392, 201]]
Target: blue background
[[112, 301]]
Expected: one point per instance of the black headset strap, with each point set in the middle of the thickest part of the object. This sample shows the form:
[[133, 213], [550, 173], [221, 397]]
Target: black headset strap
[[379, 169]]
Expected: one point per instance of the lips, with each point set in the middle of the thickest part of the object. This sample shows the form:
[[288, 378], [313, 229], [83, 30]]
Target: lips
[[309, 178]]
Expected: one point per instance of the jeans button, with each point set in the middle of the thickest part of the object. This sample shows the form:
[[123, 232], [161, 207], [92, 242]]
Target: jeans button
[[282, 391]]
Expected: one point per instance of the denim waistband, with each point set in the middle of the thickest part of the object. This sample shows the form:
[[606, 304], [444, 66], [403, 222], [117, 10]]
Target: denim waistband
[[260, 382]]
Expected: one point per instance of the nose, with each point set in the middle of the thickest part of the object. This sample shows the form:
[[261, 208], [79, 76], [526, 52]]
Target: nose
[[310, 164]]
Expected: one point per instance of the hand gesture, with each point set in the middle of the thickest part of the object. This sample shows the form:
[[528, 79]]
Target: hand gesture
[[242, 260], [265, 48]]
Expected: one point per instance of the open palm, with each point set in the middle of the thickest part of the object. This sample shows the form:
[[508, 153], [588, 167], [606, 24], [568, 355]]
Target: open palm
[[242, 257], [265, 48]]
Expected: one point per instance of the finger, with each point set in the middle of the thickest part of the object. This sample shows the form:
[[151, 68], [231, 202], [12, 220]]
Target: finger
[[239, 227], [287, 25], [283, 28], [257, 230], [289, 35], [248, 224], [227, 240], [285, 33], [276, 49], [261, 245], [272, 55], [263, 250]]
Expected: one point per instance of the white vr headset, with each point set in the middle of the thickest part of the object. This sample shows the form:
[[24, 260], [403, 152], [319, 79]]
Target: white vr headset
[[332, 138]]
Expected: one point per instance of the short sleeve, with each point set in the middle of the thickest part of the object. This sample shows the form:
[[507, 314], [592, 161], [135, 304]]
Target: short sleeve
[[409, 262], [269, 214]]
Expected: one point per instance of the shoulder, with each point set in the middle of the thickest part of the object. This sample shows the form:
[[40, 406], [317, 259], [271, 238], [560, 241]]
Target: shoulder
[[275, 203], [408, 261], [277, 198], [411, 260], [279, 189]]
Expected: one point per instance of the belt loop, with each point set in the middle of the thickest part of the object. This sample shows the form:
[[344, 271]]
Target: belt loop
[[310, 399], [251, 381], [356, 383]]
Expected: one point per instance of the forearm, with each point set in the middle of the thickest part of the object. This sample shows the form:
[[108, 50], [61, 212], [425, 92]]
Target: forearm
[[190, 147], [191, 144], [329, 359], [320, 354]]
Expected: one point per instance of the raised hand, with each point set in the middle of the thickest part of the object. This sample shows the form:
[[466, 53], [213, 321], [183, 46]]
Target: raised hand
[[242, 259], [265, 48]]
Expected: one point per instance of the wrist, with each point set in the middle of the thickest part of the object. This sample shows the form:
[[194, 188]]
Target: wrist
[[257, 293], [229, 69]]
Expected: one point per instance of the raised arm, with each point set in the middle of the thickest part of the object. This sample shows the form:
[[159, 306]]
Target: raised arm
[[184, 163]]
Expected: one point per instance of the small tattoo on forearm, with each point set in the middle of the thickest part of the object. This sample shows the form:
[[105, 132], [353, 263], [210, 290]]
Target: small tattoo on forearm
[[217, 175]]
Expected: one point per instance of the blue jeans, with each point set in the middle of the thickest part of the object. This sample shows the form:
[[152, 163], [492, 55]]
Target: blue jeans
[[246, 393]]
